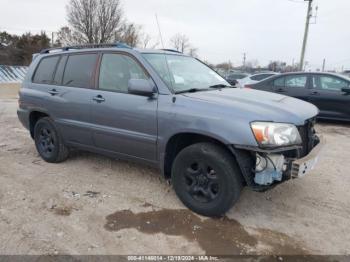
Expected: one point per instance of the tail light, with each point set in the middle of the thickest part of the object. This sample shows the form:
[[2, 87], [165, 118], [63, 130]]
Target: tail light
[[248, 86]]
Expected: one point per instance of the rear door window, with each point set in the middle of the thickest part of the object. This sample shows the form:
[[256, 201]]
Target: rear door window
[[298, 81], [79, 70], [45, 71], [279, 82]]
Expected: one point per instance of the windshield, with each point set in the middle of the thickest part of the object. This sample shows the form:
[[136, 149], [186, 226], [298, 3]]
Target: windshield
[[184, 73]]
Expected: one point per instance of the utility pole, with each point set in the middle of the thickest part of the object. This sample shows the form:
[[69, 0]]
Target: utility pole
[[52, 39], [244, 59], [323, 64], [306, 33]]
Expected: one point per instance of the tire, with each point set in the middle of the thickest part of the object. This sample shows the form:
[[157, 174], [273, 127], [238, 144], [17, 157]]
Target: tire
[[48, 141], [207, 179]]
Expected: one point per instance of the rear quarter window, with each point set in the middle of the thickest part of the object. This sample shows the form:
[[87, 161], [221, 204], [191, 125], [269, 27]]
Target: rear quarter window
[[45, 70], [79, 70]]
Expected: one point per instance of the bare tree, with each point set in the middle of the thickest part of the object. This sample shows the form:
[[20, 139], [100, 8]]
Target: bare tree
[[225, 66], [146, 41], [95, 21], [180, 42], [277, 66], [129, 34], [192, 51], [251, 65], [65, 37]]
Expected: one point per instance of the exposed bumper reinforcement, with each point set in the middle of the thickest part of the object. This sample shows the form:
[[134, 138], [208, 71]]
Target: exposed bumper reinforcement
[[302, 166]]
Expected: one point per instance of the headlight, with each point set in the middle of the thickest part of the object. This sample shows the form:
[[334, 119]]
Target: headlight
[[275, 134]]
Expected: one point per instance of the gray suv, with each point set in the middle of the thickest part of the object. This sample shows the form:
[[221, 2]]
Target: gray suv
[[171, 111]]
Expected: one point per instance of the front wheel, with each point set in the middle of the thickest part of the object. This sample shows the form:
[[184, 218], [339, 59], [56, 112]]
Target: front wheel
[[207, 179]]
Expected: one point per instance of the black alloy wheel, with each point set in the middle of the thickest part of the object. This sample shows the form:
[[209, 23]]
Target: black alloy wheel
[[206, 178], [48, 141]]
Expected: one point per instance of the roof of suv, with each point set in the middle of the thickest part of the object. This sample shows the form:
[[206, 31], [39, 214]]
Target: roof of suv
[[101, 47]]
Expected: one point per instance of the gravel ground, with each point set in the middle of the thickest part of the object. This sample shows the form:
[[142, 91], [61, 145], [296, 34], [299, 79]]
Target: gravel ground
[[91, 204]]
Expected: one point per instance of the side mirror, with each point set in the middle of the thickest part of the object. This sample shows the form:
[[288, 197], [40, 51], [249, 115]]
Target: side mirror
[[141, 87], [346, 90]]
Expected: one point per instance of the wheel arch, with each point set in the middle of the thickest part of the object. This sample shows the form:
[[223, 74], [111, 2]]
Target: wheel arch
[[34, 117], [179, 141]]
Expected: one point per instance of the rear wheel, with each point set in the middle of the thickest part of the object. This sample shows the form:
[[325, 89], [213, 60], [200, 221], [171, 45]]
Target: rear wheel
[[48, 142], [207, 179]]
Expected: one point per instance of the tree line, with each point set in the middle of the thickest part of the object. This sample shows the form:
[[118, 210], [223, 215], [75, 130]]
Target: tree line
[[18, 50]]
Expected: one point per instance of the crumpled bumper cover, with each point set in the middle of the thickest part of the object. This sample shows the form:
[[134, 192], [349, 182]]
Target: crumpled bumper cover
[[302, 166]]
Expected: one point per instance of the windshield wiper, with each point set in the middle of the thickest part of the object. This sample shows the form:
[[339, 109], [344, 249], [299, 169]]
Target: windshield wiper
[[219, 86], [191, 90]]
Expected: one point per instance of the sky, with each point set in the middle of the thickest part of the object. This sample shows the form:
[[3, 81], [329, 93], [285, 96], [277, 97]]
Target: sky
[[222, 30]]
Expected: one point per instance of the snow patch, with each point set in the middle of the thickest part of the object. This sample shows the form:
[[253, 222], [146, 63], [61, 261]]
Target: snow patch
[[12, 74]]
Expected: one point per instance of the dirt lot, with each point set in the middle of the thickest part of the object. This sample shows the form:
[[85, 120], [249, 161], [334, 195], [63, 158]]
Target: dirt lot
[[95, 205]]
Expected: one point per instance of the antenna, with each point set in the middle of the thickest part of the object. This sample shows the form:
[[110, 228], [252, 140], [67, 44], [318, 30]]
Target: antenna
[[165, 56], [160, 32]]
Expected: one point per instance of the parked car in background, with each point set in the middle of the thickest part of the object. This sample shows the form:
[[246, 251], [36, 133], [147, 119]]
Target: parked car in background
[[253, 79], [329, 92], [233, 78], [170, 111]]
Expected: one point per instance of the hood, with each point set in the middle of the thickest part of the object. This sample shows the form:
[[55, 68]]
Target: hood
[[258, 105]]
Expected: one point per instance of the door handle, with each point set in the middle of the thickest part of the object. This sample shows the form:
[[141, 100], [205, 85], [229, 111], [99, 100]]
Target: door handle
[[314, 93], [53, 92], [99, 99]]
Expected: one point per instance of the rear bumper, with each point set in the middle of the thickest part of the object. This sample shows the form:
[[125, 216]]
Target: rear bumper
[[23, 116], [302, 166]]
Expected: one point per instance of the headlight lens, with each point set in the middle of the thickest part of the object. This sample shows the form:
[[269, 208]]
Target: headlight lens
[[275, 134]]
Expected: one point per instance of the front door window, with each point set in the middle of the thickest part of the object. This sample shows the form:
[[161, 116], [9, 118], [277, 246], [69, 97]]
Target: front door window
[[116, 71]]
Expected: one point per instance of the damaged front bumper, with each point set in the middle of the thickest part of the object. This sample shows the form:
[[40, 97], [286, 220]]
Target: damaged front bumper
[[302, 166], [280, 166], [263, 169]]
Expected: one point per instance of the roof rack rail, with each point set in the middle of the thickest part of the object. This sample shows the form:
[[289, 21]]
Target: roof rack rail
[[67, 48], [171, 50]]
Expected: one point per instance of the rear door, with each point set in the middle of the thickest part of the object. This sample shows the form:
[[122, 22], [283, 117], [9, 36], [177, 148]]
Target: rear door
[[123, 123], [68, 95], [293, 85], [326, 94]]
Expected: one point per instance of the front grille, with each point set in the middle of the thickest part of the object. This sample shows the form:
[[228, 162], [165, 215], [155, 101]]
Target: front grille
[[308, 137]]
